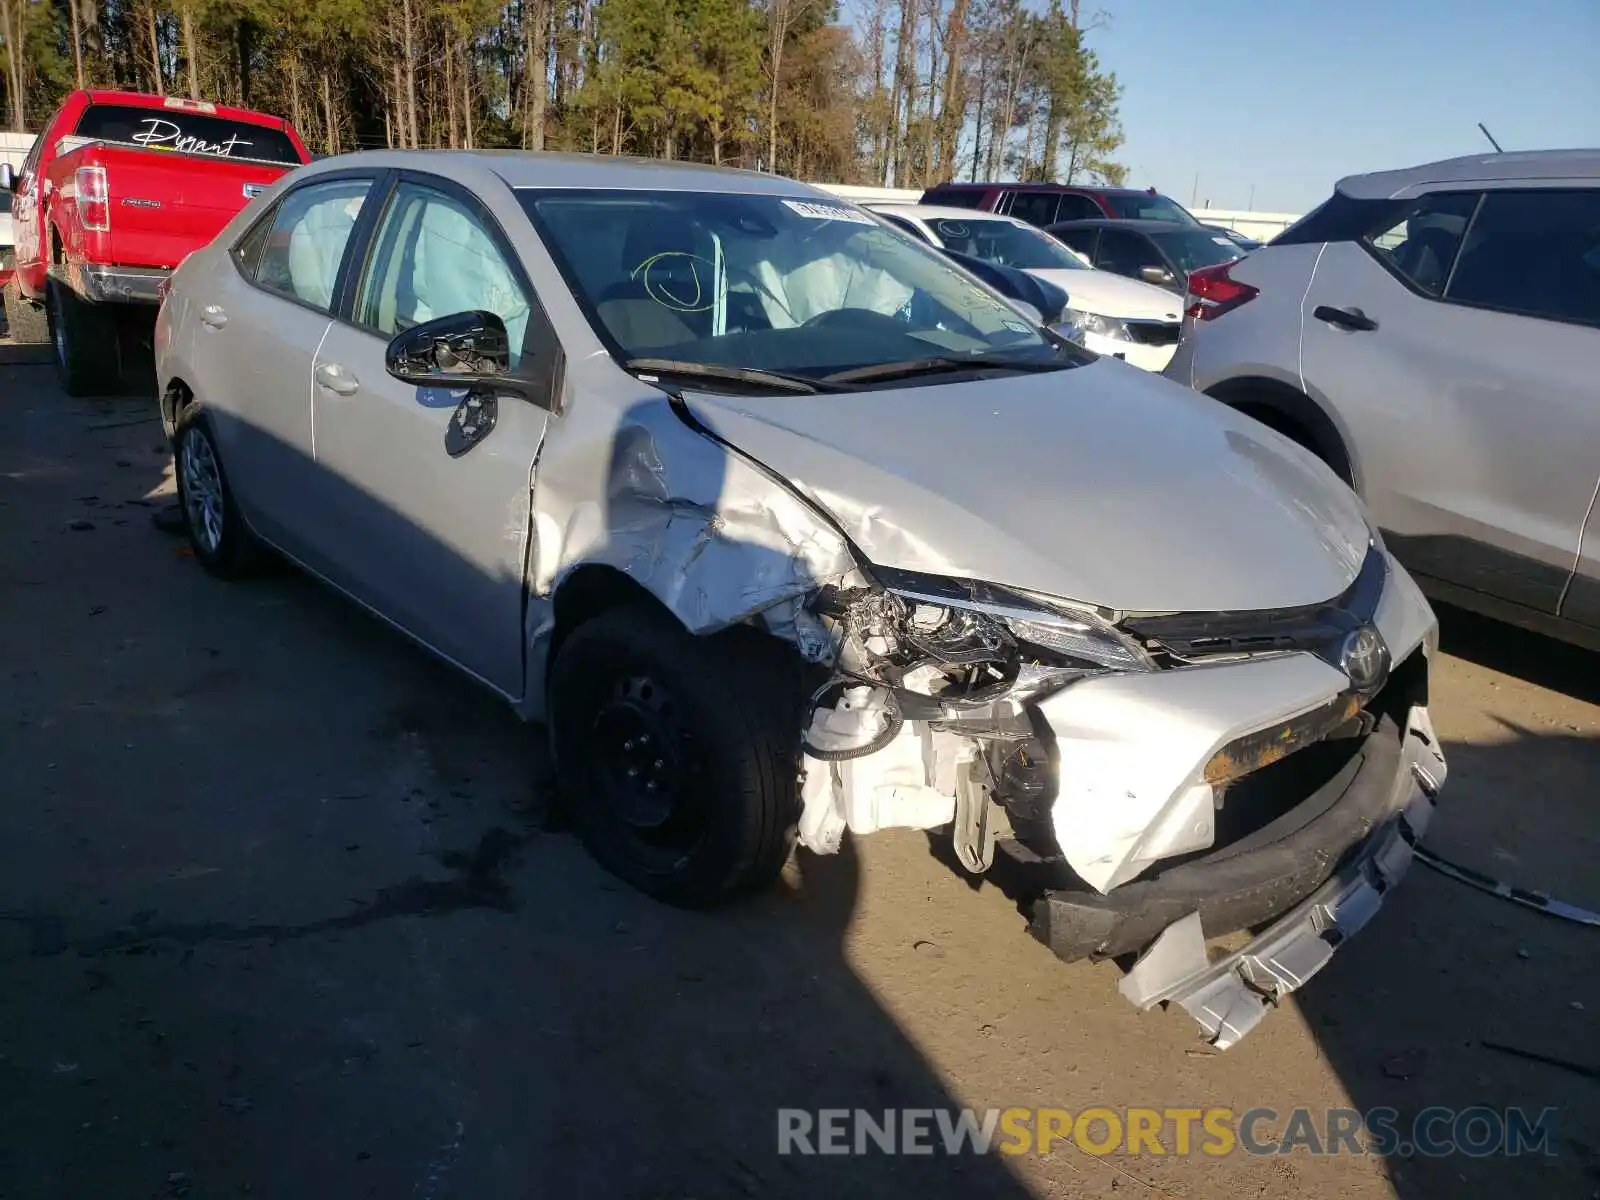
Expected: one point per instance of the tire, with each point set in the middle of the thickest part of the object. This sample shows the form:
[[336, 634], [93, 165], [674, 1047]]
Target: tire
[[222, 542], [25, 322], [632, 681], [87, 345]]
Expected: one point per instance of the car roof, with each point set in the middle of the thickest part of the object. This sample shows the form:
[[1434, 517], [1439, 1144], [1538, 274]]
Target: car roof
[[943, 212], [1093, 189], [1142, 224], [548, 169], [1476, 168]]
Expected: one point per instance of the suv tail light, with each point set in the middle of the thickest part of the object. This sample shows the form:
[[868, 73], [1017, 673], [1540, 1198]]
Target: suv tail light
[[1213, 291], [94, 198]]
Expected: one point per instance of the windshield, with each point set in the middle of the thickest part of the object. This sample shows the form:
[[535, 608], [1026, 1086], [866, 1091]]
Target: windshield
[[5, 201], [186, 133], [810, 288], [1141, 206], [1020, 246], [1193, 249]]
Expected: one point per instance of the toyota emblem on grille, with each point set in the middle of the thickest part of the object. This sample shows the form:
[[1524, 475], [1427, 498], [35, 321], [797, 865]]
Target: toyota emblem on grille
[[1364, 657]]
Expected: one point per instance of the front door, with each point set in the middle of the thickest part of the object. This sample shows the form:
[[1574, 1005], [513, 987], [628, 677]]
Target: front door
[[1459, 344], [435, 543]]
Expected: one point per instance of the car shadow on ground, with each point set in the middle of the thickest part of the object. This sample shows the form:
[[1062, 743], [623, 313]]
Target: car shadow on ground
[[1431, 1003], [282, 912]]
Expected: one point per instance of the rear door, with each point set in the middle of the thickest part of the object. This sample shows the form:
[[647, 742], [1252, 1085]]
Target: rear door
[[262, 316], [1458, 342], [437, 544]]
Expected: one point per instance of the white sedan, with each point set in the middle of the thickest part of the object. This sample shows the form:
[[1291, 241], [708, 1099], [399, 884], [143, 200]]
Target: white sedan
[[788, 528], [1110, 315]]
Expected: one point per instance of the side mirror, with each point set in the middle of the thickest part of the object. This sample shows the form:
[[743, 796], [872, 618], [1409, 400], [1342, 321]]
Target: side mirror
[[8, 177], [1159, 276], [463, 350]]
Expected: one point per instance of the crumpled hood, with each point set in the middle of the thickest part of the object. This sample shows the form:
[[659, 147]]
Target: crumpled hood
[[1114, 295], [1100, 484]]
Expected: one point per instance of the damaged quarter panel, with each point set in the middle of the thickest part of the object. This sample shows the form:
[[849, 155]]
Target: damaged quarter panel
[[625, 482], [1112, 487]]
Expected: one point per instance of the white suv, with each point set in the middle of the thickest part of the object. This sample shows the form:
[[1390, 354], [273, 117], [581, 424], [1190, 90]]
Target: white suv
[[1433, 334]]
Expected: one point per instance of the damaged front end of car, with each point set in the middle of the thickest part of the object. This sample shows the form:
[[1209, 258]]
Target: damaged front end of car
[[1144, 784]]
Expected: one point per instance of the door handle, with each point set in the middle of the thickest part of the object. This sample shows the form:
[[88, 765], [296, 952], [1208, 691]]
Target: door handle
[[214, 316], [1352, 319], [337, 380]]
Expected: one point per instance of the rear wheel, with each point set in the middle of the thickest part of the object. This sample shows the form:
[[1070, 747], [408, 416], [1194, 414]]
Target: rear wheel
[[678, 755], [25, 321], [88, 358], [217, 533]]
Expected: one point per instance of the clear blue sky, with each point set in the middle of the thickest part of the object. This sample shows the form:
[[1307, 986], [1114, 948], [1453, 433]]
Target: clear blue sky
[[1287, 96]]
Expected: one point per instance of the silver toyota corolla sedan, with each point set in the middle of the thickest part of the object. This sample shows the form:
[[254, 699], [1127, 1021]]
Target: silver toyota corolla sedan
[[786, 526]]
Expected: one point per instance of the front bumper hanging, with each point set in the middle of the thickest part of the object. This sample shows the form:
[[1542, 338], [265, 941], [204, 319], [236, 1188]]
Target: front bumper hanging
[[1230, 996]]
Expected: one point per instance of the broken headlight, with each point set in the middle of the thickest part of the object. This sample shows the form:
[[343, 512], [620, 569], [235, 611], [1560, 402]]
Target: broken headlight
[[1045, 631], [1076, 325], [929, 648]]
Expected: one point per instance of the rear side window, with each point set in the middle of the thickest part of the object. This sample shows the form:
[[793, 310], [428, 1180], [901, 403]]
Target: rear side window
[[1077, 208], [307, 239], [1421, 246], [1341, 219], [1535, 253], [1036, 208], [181, 132]]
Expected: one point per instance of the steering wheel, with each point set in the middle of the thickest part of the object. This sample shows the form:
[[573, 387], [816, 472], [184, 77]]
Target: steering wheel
[[855, 318], [663, 294]]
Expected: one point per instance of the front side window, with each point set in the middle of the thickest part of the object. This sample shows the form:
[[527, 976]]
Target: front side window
[[1422, 245], [307, 240], [1082, 239], [1533, 252], [434, 256], [1124, 253], [182, 132], [1036, 208], [808, 287], [1005, 243], [1141, 206]]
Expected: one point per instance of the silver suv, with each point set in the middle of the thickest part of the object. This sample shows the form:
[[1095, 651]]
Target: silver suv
[[1433, 335]]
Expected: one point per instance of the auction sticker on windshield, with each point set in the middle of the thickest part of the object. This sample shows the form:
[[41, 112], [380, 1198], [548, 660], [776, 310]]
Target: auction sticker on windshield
[[828, 212]]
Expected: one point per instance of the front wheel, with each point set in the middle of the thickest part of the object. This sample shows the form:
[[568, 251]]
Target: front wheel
[[678, 755]]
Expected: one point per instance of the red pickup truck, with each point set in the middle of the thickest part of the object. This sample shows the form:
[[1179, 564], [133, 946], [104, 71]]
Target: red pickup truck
[[118, 188]]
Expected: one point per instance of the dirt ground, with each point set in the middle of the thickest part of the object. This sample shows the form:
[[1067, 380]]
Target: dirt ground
[[281, 915]]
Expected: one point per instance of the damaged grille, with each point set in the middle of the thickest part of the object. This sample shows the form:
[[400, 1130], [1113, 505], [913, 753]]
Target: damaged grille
[[1182, 638]]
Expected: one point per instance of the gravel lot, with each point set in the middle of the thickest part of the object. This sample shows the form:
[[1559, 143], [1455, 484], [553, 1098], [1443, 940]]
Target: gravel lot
[[283, 915]]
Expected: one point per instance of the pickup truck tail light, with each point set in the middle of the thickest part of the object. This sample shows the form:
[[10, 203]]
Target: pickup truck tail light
[[94, 198], [1212, 292]]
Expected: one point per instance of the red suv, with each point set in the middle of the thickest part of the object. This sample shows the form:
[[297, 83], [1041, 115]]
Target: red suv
[[1044, 204]]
